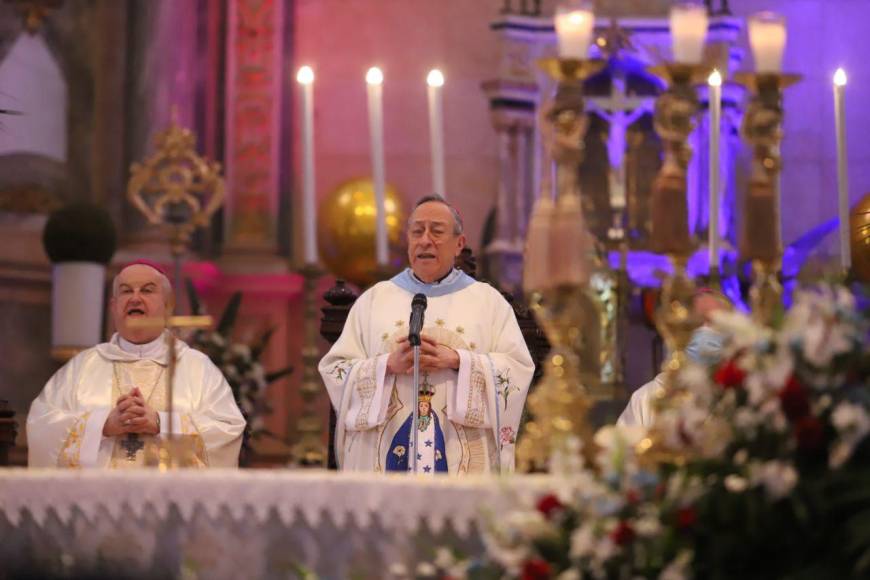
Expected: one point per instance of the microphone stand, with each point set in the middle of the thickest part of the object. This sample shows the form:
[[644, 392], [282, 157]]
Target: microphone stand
[[415, 417]]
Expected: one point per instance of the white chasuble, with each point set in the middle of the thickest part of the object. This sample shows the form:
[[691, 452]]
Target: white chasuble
[[65, 423], [468, 417]]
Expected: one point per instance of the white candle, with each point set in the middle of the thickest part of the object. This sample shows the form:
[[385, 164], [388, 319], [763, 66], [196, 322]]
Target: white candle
[[375, 81], [688, 30], [574, 23], [435, 80], [767, 39], [842, 175], [305, 77], [715, 99]]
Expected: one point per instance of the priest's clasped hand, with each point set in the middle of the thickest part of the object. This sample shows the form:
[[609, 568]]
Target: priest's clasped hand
[[132, 415], [433, 357]]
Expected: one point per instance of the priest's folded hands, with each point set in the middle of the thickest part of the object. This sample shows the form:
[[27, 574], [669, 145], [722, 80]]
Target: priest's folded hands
[[132, 415], [433, 356]]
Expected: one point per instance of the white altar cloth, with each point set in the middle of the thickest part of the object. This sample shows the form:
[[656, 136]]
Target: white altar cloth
[[243, 523]]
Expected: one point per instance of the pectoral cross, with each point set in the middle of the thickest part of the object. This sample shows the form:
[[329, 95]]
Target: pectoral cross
[[132, 445]]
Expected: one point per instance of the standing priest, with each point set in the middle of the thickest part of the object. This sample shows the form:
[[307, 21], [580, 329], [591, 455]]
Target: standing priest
[[475, 368], [109, 402]]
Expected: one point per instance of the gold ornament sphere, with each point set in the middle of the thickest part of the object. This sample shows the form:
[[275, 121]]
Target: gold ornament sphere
[[346, 232]]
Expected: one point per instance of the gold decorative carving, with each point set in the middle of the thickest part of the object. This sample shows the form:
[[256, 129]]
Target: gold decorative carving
[[176, 187]]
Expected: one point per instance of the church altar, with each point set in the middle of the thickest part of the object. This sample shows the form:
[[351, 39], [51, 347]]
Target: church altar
[[242, 524]]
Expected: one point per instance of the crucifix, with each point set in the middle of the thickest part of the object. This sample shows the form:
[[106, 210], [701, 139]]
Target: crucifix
[[131, 444], [620, 110]]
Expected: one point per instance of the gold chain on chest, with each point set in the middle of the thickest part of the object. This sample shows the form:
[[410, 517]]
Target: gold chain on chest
[[116, 373]]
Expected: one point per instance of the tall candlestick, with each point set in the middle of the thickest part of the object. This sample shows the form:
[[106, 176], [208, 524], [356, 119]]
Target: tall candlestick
[[435, 80], [574, 23], [305, 77], [715, 99], [688, 30], [375, 81], [767, 39], [842, 175]]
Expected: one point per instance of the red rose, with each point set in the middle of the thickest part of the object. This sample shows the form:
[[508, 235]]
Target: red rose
[[686, 517], [794, 401], [622, 534], [549, 504], [809, 433], [729, 375], [632, 497], [536, 569]]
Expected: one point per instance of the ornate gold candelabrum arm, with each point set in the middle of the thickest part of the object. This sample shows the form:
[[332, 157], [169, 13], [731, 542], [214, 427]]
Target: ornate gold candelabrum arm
[[557, 274], [309, 449], [760, 237]]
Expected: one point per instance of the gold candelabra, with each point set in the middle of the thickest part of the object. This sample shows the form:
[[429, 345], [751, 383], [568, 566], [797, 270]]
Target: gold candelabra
[[674, 120], [309, 450], [676, 319], [760, 237], [557, 269]]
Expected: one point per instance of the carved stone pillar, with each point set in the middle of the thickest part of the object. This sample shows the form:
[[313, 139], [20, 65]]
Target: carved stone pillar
[[255, 37], [513, 99]]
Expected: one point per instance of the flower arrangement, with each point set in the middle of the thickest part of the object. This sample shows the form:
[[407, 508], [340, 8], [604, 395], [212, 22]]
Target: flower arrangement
[[239, 363], [776, 482]]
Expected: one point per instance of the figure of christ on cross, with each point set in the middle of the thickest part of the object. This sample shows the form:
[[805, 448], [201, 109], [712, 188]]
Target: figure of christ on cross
[[620, 110]]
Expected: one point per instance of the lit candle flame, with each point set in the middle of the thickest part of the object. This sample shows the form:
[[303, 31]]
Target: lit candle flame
[[305, 76], [435, 78], [715, 79], [374, 76], [840, 78]]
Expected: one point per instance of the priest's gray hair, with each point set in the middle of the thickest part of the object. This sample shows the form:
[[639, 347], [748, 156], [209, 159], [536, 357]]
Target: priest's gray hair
[[457, 219], [165, 285]]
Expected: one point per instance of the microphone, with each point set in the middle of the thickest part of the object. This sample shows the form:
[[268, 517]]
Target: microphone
[[418, 308]]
